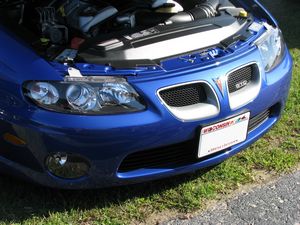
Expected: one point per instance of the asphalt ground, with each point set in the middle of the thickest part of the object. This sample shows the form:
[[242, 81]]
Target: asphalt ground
[[272, 204]]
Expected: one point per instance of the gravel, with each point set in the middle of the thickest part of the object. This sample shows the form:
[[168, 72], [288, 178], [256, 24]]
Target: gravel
[[275, 203]]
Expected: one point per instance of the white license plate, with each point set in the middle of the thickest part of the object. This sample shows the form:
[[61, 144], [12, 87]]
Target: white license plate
[[219, 136]]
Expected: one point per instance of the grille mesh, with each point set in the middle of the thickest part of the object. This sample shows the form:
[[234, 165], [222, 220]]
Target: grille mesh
[[175, 155], [240, 78], [184, 95]]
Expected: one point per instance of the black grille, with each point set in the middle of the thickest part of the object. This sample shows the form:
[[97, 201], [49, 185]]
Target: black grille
[[167, 157], [184, 95], [258, 120], [240, 78], [175, 155]]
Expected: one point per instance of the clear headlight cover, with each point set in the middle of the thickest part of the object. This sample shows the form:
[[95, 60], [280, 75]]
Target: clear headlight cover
[[272, 47], [85, 95]]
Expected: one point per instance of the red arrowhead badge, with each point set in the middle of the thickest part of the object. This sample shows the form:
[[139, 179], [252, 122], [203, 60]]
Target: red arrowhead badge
[[219, 83]]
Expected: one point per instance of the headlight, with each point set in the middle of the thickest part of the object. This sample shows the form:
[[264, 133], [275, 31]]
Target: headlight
[[272, 47], [44, 93], [87, 95]]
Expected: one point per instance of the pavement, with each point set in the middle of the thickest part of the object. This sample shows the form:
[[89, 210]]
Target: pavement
[[275, 203]]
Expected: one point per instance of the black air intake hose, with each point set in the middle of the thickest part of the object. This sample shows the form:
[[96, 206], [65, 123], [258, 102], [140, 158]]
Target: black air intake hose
[[205, 9]]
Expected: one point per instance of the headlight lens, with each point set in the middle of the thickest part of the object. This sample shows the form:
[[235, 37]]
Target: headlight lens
[[81, 97], [87, 95], [272, 47], [43, 92]]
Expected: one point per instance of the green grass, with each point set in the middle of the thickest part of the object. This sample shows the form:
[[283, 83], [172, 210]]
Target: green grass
[[278, 151]]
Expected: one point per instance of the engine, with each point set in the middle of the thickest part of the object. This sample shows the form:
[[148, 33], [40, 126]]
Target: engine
[[57, 19], [54, 25]]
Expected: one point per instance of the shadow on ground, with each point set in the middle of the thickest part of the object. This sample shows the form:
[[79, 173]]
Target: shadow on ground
[[20, 200]]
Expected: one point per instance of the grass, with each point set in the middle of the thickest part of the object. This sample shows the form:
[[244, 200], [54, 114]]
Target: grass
[[278, 151]]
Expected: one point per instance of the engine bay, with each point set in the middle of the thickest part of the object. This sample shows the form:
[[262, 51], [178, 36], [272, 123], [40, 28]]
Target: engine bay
[[107, 32]]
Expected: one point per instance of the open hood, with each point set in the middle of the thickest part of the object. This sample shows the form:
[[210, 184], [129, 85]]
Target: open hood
[[124, 33]]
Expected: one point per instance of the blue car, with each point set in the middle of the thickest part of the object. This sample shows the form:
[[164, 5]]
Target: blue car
[[103, 93]]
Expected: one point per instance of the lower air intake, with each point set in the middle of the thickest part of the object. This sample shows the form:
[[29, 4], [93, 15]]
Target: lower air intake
[[177, 155]]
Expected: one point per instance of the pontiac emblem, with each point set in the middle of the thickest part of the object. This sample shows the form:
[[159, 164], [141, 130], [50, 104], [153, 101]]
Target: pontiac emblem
[[219, 83]]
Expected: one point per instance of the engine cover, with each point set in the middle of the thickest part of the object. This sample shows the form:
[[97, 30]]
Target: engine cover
[[162, 42]]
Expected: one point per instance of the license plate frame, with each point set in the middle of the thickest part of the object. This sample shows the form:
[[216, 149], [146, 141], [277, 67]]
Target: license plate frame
[[216, 137]]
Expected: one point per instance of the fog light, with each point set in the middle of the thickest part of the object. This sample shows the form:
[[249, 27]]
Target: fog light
[[67, 166]]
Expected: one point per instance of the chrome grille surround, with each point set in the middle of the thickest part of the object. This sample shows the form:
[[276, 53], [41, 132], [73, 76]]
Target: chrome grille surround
[[242, 96], [207, 106], [240, 79]]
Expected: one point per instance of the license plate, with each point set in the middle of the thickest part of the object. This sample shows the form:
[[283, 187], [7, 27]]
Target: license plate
[[219, 136]]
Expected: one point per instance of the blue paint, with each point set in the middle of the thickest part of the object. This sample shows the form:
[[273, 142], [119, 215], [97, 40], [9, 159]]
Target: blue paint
[[106, 140]]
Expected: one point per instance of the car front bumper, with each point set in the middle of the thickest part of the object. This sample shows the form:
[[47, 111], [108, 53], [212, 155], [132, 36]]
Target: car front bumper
[[105, 141]]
